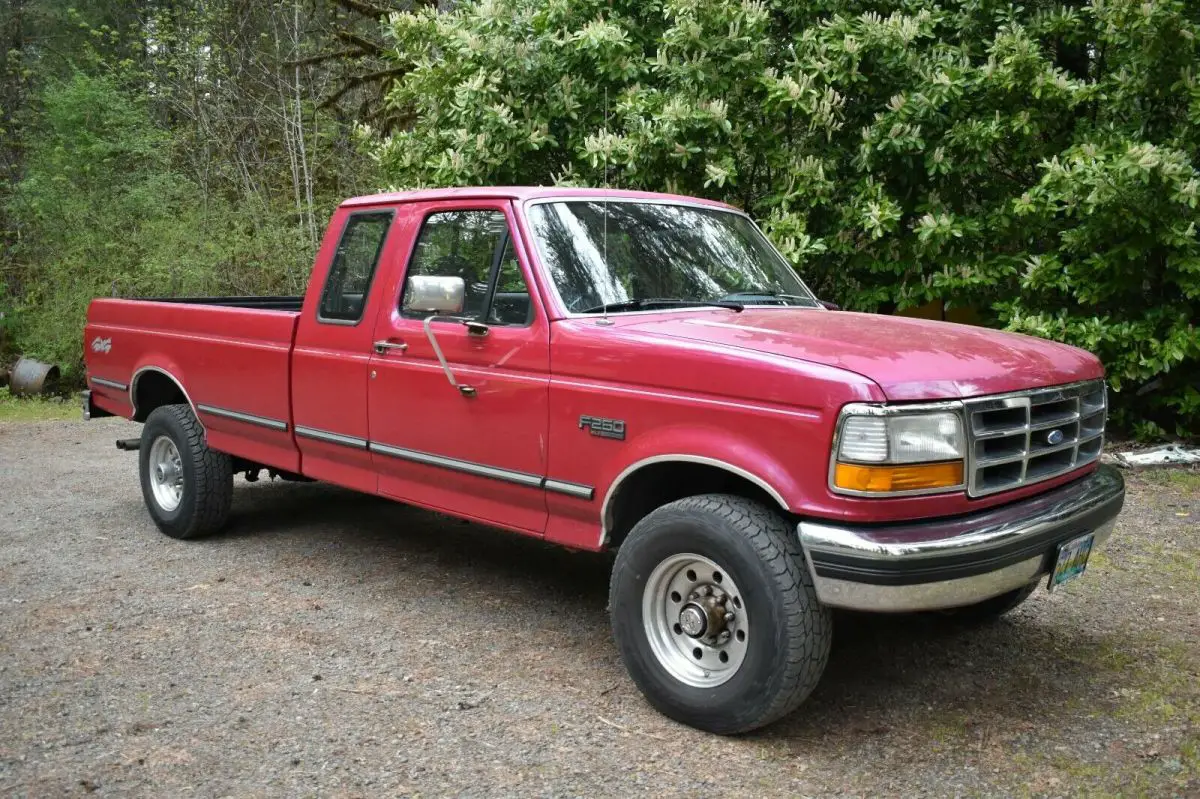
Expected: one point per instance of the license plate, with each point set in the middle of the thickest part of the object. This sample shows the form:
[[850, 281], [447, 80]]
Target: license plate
[[1071, 560]]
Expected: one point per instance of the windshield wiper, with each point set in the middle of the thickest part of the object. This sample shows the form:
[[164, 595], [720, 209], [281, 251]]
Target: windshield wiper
[[770, 294], [654, 302], [615, 307]]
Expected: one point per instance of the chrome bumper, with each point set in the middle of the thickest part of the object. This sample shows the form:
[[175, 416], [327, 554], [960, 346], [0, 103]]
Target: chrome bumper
[[943, 563]]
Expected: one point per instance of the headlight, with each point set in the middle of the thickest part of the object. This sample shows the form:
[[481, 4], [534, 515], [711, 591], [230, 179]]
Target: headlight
[[883, 450]]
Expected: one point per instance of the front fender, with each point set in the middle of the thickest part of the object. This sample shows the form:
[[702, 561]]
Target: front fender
[[706, 444]]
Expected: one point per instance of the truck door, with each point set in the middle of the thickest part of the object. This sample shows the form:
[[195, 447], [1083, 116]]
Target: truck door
[[332, 352], [470, 436]]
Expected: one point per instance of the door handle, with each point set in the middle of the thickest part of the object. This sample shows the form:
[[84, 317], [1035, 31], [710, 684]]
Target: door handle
[[382, 347]]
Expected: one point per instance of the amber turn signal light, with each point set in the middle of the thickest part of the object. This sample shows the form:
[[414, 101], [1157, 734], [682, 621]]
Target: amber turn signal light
[[901, 477]]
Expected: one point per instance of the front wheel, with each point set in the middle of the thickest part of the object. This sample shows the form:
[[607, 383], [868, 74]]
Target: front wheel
[[715, 614], [188, 487]]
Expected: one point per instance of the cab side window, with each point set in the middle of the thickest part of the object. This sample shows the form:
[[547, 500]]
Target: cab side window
[[476, 246], [349, 282]]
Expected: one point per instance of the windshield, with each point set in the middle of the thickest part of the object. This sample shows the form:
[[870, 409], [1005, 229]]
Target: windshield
[[638, 255]]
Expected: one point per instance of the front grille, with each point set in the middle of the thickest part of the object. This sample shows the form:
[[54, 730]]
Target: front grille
[[1030, 436]]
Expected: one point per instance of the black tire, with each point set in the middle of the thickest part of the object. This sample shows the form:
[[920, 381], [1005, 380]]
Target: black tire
[[990, 610], [207, 475], [760, 552]]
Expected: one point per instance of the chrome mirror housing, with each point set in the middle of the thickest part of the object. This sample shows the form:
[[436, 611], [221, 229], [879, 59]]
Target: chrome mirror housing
[[435, 295]]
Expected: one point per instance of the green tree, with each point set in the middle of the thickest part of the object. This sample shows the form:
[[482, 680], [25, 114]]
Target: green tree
[[1035, 161], [167, 147], [103, 213]]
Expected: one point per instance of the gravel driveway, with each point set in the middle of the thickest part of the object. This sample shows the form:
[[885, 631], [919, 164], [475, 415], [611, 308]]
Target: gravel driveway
[[339, 645]]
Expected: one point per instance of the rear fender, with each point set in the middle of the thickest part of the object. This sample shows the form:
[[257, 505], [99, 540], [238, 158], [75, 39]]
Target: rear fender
[[167, 367]]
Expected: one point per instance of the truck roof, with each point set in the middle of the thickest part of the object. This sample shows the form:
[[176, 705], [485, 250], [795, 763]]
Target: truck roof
[[519, 193]]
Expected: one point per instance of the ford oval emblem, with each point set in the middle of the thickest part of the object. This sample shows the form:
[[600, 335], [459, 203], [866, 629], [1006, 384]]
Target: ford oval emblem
[[1055, 437]]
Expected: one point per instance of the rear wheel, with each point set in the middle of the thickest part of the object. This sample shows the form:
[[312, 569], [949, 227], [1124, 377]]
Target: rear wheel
[[715, 614], [188, 488]]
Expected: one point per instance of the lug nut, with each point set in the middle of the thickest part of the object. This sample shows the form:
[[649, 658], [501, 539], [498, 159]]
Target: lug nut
[[728, 617]]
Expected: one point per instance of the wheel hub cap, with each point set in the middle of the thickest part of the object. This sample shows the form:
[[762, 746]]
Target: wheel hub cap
[[166, 473], [695, 620]]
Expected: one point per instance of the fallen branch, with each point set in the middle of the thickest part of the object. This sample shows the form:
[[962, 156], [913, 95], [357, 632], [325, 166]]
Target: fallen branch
[[617, 726]]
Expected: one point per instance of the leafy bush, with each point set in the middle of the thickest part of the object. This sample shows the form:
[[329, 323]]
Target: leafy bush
[[1033, 161], [102, 213]]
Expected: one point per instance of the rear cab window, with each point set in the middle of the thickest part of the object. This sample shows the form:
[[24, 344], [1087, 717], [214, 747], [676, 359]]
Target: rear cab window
[[348, 283]]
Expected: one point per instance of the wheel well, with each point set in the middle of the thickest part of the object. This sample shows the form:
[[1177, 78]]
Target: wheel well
[[656, 484], [153, 389]]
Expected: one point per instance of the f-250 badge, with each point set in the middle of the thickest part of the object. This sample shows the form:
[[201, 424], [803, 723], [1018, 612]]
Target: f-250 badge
[[102, 345], [604, 428]]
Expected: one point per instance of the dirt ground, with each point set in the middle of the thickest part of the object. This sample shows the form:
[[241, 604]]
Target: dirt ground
[[331, 644]]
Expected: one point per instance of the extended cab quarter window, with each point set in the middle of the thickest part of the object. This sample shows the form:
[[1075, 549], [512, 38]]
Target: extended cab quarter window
[[476, 246], [353, 266]]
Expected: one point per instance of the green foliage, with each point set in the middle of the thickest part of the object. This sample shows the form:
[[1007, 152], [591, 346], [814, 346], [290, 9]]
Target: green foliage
[[102, 213], [170, 147], [1035, 161]]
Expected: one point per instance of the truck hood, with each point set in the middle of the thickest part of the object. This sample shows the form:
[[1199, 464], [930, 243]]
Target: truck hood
[[910, 359]]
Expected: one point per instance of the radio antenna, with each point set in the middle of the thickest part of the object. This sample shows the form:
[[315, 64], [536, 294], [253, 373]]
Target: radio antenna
[[604, 320]]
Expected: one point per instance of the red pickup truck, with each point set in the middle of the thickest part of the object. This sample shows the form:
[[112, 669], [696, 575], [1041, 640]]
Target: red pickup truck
[[641, 373]]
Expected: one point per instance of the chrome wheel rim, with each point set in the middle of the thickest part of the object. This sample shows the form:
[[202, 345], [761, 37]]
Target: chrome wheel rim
[[166, 473], [695, 620]]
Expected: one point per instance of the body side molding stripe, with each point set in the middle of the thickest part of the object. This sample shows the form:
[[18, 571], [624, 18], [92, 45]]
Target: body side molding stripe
[[331, 438], [570, 489], [248, 418], [577, 490], [467, 467], [100, 381]]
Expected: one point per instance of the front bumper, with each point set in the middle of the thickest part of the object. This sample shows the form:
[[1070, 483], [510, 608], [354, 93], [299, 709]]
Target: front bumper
[[944, 563]]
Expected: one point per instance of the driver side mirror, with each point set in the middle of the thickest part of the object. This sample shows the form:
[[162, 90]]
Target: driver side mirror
[[830, 306], [435, 295]]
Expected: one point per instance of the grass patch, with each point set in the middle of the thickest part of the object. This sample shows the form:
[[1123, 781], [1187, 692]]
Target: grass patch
[[36, 409], [1184, 479]]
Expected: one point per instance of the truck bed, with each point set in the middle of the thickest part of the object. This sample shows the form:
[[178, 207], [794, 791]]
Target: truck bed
[[231, 356], [263, 303]]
